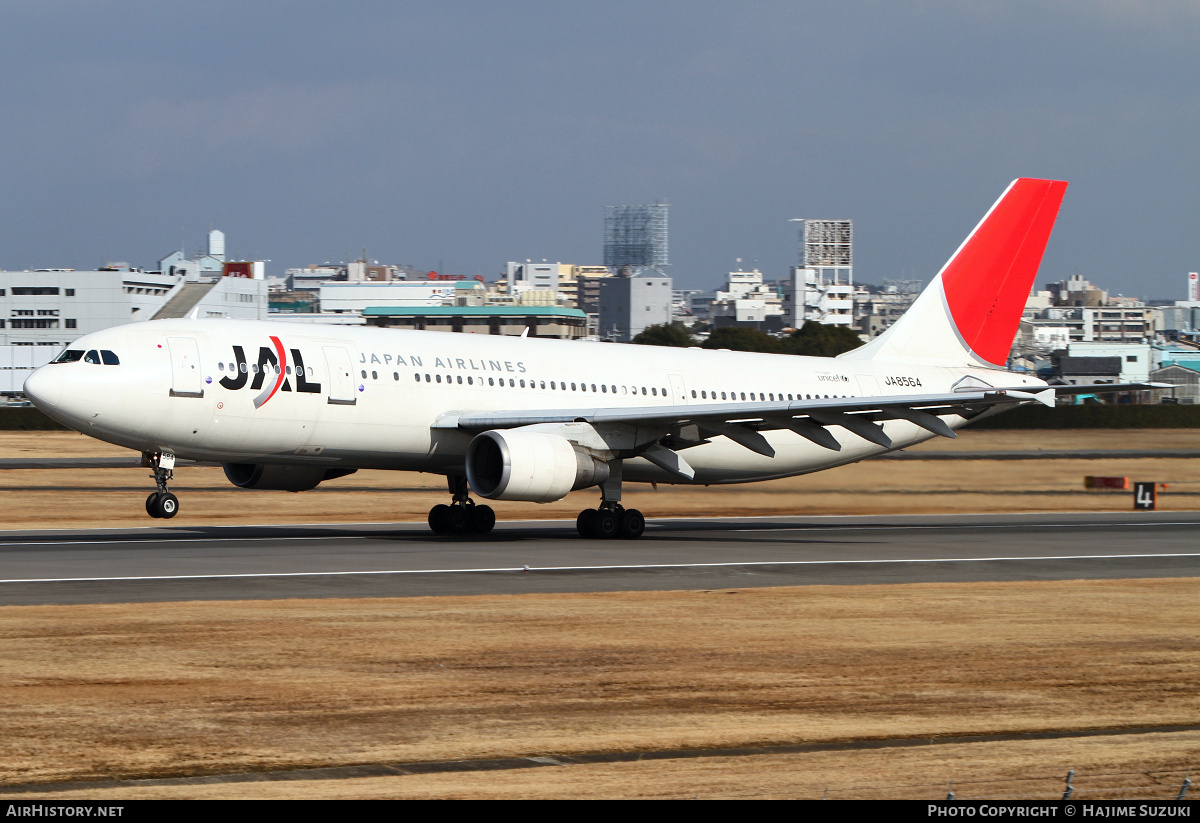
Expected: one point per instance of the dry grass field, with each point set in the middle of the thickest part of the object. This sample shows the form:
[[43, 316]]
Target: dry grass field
[[172, 689], [155, 690]]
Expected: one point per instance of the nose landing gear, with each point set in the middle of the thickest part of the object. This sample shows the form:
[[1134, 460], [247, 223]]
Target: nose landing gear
[[161, 503], [462, 516]]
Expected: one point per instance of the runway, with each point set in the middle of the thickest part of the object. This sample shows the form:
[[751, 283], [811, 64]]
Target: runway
[[404, 560]]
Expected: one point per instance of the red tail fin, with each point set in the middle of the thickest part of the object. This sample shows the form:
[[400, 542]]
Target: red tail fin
[[969, 314], [988, 280]]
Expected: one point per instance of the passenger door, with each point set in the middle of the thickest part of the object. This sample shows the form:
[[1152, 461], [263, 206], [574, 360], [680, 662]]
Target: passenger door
[[186, 378], [341, 376]]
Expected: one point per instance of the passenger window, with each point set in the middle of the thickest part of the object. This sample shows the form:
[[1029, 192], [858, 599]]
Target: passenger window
[[653, 392], [573, 387], [417, 376], [109, 358], [92, 356], [460, 380], [439, 377], [426, 378], [374, 374], [551, 384], [364, 374], [593, 387], [604, 388]]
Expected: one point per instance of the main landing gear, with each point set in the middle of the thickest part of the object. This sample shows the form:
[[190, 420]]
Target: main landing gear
[[611, 519], [161, 503], [462, 516]]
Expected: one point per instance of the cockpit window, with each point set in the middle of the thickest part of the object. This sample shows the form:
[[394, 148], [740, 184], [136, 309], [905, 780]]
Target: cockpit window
[[69, 356], [109, 358], [92, 357]]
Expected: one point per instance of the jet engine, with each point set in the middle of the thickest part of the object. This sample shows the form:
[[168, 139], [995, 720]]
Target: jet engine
[[534, 466], [280, 478]]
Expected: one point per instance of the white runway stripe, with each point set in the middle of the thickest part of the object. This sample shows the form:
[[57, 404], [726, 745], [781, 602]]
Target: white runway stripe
[[531, 569]]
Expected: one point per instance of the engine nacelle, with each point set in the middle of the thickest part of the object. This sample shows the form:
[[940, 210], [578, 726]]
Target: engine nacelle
[[280, 478], [520, 465]]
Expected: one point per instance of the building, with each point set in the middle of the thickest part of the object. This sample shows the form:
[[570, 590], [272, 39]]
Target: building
[[748, 301], [1185, 380], [46, 309], [534, 321], [635, 237], [876, 310], [344, 297], [821, 288], [630, 304], [1135, 359]]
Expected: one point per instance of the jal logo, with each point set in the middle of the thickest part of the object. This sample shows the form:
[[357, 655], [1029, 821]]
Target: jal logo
[[272, 373]]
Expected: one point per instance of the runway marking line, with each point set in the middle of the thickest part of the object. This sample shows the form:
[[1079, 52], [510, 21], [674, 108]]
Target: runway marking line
[[167, 538], [530, 569]]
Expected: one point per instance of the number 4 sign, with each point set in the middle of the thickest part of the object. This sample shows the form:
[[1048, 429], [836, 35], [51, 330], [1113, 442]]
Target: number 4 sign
[[1145, 496]]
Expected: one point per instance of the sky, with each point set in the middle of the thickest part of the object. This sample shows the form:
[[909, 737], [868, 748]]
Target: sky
[[456, 136]]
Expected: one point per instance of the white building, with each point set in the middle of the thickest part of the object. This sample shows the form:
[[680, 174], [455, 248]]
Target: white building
[[822, 287], [354, 297], [46, 309]]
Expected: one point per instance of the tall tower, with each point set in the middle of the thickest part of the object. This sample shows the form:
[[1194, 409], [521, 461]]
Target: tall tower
[[822, 286], [635, 236]]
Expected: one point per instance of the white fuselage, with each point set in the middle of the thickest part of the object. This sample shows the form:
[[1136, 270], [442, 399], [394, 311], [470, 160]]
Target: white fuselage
[[369, 397]]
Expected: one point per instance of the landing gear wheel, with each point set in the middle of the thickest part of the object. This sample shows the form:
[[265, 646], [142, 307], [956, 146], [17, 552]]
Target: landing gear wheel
[[439, 519], [460, 520], [483, 519], [167, 505], [585, 524], [606, 524], [152, 505], [630, 524]]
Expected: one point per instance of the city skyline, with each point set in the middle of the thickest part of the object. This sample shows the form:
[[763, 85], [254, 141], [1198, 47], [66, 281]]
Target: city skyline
[[460, 135]]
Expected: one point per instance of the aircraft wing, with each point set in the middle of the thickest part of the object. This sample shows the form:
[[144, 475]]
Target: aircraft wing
[[742, 421]]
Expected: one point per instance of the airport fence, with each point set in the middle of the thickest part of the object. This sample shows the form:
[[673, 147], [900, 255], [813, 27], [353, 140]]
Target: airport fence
[[26, 418], [1131, 416]]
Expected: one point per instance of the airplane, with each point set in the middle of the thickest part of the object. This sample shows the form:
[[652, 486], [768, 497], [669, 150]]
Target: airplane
[[286, 407]]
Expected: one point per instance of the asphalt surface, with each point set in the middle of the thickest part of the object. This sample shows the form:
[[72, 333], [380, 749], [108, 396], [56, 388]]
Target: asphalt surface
[[402, 560]]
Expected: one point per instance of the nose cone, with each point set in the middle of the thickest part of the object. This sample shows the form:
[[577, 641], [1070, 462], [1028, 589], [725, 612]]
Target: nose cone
[[44, 387]]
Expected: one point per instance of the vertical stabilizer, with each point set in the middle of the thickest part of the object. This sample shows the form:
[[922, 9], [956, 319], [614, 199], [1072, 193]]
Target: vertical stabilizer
[[969, 314]]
